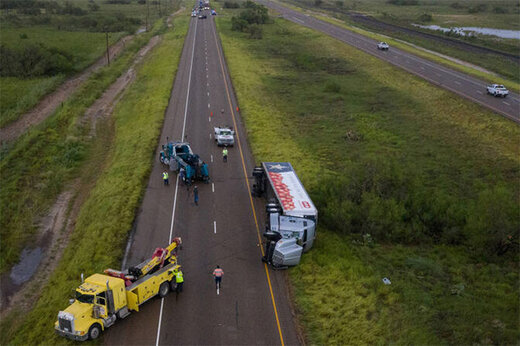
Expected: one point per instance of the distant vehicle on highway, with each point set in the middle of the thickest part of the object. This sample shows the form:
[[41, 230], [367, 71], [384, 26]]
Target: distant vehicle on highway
[[383, 46], [497, 90], [203, 16], [194, 14]]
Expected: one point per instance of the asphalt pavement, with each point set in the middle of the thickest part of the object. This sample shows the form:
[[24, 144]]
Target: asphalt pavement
[[442, 76], [253, 306]]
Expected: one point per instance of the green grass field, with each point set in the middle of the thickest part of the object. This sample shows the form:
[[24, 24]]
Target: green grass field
[[107, 214], [386, 154], [84, 47], [21, 94]]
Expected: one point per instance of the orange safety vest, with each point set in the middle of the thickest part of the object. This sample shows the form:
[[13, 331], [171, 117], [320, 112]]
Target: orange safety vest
[[218, 272]]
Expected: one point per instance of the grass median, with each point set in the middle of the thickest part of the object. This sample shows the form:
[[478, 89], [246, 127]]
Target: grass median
[[107, 215], [406, 177]]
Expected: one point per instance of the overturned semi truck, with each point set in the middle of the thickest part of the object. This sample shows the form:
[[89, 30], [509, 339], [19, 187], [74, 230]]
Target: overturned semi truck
[[291, 216]]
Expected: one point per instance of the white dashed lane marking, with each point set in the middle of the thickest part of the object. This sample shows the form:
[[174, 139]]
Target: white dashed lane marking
[[215, 227], [212, 187], [211, 158], [480, 92], [457, 82], [504, 102]]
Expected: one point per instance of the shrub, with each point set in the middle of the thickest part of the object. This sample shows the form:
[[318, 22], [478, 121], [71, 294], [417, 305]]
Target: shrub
[[339, 3], [425, 17], [255, 31], [93, 7], [332, 87], [403, 2], [457, 6], [231, 4], [255, 14], [493, 222], [34, 60], [500, 10], [238, 24], [318, 3], [477, 8], [30, 11]]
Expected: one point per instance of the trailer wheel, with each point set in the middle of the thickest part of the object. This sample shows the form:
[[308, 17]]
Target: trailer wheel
[[164, 289], [94, 331]]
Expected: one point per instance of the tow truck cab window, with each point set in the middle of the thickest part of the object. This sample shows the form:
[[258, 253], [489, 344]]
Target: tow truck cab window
[[84, 298], [101, 298]]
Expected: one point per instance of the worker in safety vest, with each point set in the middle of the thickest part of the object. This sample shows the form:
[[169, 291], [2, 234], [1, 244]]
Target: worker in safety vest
[[179, 280], [165, 178], [218, 273], [224, 154]]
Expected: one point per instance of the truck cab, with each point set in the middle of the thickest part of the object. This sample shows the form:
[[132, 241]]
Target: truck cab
[[98, 302]]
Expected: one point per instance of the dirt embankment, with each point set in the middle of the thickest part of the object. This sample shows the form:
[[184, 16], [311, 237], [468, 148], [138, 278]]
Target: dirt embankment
[[56, 227], [50, 102]]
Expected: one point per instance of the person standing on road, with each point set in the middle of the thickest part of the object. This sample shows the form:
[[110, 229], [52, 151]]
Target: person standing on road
[[165, 178], [196, 195], [224, 154], [179, 280], [182, 174], [218, 273]]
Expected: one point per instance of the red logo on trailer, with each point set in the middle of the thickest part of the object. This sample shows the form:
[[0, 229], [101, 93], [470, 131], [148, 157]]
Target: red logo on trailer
[[282, 190]]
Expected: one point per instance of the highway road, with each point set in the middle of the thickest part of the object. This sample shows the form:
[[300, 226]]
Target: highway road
[[457, 82], [253, 306]]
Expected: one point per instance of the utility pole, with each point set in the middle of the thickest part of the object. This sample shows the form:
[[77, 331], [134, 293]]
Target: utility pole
[[147, 14], [108, 53]]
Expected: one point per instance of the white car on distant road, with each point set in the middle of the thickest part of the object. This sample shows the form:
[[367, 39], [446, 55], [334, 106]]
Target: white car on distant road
[[497, 90], [383, 46]]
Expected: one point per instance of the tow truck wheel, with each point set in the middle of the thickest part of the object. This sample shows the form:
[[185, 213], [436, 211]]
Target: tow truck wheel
[[173, 285], [164, 289], [94, 331]]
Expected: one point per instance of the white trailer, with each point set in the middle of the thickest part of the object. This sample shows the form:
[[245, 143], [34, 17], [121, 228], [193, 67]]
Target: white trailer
[[291, 215]]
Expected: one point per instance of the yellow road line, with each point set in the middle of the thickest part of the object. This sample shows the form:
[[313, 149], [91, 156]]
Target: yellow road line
[[247, 184]]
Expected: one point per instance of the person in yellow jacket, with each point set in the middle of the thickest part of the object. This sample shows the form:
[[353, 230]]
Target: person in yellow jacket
[[224, 154], [165, 178], [179, 280]]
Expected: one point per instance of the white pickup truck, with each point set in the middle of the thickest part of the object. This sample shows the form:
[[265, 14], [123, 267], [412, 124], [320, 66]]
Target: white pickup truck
[[383, 46], [497, 90], [224, 136]]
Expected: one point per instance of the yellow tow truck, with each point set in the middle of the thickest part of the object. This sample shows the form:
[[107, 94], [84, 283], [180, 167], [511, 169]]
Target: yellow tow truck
[[103, 298]]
